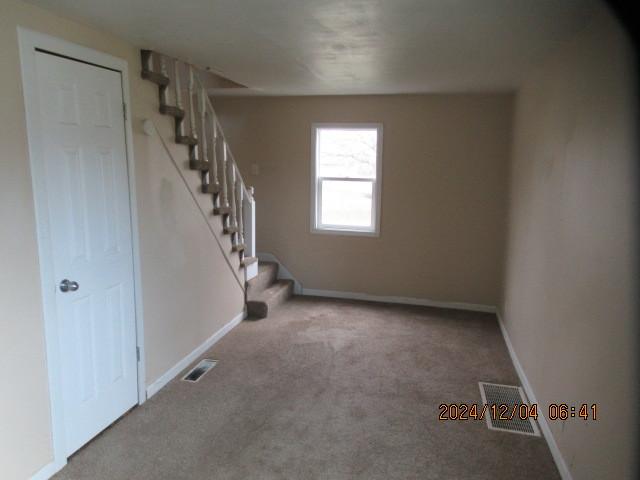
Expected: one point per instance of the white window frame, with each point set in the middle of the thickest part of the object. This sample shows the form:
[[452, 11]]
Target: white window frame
[[316, 184]]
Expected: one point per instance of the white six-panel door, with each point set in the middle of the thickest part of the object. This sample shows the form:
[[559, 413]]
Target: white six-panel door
[[83, 140]]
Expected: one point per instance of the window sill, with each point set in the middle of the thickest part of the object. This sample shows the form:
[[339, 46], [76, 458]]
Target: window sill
[[345, 232]]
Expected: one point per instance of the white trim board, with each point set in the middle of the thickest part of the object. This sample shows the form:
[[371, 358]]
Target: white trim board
[[316, 183], [473, 307], [283, 273], [48, 471], [193, 356], [28, 42], [542, 420]]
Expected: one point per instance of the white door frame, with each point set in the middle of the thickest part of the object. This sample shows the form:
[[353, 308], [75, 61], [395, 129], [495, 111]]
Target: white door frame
[[29, 41]]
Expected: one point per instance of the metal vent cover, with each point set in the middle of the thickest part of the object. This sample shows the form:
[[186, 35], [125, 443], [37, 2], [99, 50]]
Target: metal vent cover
[[510, 395], [197, 372]]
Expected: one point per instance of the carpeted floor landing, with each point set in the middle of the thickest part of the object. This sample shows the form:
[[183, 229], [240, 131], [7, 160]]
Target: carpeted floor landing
[[327, 389]]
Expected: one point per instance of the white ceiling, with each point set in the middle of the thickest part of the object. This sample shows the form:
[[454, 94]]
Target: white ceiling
[[309, 47]]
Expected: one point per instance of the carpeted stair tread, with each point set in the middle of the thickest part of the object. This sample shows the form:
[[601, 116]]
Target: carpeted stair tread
[[258, 306], [267, 274], [265, 291]]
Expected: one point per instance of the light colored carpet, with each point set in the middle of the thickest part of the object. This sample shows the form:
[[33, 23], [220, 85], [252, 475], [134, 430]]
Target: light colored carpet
[[327, 389]]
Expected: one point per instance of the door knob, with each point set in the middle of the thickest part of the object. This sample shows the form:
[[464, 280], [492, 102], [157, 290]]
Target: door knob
[[68, 286]]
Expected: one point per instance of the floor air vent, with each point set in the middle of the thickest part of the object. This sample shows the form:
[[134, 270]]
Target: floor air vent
[[516, 417], [197, 372]]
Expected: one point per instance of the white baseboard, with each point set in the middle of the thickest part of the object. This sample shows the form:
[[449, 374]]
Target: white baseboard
[[298, 289], [393, 299], [542, 420], [189, 359], [48, 471], [52, 468]]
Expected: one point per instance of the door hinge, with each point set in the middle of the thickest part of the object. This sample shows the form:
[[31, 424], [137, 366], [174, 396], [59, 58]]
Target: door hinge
[[138, 353], [124, 110]]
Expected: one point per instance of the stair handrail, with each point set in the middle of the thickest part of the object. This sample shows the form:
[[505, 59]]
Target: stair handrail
[[224, 139], [232, 181], [209, 106]]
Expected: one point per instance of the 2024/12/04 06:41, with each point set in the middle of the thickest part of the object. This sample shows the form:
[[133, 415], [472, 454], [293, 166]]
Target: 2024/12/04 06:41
[[523, 411]]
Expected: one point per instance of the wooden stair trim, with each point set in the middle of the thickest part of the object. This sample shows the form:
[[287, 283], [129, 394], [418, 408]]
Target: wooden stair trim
[[179, 114], [211, 188], [175, 112], [156, 78], [200, 165], [221, 211], [186, 140]]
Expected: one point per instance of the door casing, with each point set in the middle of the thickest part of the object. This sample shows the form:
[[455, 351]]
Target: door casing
[[29, 41]]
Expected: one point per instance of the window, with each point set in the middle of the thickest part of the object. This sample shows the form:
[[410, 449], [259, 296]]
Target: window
[[345, 182]]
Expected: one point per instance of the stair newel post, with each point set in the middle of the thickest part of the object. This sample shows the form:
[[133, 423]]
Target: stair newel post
[[249, 228], [164, 90], [233, 221], [239, 191], [225, 194]]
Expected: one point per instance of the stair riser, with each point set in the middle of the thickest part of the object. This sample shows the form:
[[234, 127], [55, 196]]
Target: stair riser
[[199, 165], [175, 112], [263, 280], [156, 78], [262, 309]]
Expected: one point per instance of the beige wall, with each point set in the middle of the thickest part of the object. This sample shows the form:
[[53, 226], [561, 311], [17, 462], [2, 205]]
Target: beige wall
[[570, 290], [187, 291], [568, 303], [444, 175]]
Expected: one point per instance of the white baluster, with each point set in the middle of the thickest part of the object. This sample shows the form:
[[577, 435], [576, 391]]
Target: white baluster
[[163, 90], [239, 210], [233, 222], [213, 168], [177, 74], [203, 124], [225, 194], [192, 112], [193, 129]]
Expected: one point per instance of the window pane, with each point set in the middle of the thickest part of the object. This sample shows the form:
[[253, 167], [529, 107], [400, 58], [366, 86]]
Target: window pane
[[346, 153], [346, 203]]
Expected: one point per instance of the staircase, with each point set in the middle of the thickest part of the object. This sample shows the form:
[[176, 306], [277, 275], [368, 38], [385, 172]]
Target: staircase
[[265, 292], [197, 127]]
